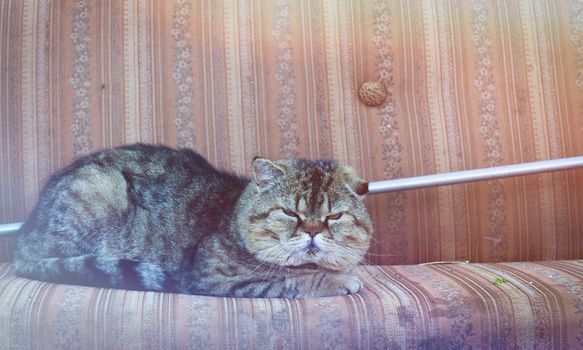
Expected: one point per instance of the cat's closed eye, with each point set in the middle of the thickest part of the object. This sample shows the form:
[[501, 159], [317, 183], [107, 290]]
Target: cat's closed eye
[[334, 216], [291, 213]]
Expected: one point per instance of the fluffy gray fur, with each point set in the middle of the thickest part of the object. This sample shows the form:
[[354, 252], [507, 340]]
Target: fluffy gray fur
[[154, 218]]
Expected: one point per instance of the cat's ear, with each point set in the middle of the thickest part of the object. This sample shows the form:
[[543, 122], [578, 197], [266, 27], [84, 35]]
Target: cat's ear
[[266, 172], [353, 182]]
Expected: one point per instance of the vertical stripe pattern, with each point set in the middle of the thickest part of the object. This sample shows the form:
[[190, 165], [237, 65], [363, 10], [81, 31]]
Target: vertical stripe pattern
[[471, 84], [131, 72], [435, 81], [81, 79], [489, 128], [183, 73], [29, 98]]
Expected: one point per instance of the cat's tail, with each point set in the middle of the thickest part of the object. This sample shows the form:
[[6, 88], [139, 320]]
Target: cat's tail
[[94, 271]]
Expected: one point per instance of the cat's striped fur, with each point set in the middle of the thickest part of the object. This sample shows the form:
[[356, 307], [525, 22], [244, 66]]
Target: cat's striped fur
[[153, 218]]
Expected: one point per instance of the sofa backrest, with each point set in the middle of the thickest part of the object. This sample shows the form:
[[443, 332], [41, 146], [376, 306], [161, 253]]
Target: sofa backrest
[[470, 84]]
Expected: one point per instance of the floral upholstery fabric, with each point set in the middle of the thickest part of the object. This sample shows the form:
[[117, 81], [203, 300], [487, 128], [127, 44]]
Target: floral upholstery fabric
[[445, 306]]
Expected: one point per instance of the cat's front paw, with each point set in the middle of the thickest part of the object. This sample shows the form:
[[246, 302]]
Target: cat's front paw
[[335, 284], [324, 284], [345, 284]]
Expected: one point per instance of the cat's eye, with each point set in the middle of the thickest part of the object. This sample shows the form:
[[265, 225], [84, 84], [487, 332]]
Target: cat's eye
[[290, 213], [334, 216]]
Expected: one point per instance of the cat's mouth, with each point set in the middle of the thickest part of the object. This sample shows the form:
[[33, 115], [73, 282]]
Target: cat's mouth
[[311, 250], [311, 266]]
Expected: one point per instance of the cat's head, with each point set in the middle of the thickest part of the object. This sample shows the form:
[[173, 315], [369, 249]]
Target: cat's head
[[306, 213]]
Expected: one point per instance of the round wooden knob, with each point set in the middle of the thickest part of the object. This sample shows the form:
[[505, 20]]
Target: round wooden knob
[[373, 93]]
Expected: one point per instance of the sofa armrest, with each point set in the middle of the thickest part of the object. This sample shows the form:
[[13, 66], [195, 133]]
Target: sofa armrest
[[7, 248], [460, 305]]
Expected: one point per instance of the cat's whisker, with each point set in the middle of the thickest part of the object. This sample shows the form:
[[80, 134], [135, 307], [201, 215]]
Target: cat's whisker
[[350, 252], [376, 242], [273, 271], [257, 267], [264, 262], [374, 254], [276, 265]]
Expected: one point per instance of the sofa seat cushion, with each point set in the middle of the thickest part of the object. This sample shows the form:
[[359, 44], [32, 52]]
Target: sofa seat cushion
[[507, 305]]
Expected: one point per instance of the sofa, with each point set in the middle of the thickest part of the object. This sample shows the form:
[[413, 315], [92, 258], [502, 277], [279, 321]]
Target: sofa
[[493, 264], [458, 305]]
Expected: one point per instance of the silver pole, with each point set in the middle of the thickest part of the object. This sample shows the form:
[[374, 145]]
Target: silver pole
[[8, 229], [474, 175]]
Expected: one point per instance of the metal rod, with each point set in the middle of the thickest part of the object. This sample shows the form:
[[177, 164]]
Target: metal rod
[[457, 177], [9, 229], [474, 175]]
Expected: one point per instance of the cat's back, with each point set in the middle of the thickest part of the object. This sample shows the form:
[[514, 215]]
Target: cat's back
[[140, 165], [108, 187], [149, 161]]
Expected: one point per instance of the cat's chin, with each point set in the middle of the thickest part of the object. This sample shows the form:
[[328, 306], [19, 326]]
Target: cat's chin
[[319, 264]]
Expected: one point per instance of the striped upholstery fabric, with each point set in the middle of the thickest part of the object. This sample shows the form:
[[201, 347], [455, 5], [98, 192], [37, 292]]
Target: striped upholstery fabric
[[6, 247], [472, 83], [448, 306]]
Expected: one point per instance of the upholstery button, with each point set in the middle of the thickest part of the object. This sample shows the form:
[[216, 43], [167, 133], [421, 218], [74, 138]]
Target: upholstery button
[[372, 93]]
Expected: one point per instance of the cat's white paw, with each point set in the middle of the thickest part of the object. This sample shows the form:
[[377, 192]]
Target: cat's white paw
[[341, 284], [353, 284], [323, 284]]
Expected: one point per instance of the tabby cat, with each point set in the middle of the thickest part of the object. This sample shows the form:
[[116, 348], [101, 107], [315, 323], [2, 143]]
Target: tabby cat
[[147, 217]]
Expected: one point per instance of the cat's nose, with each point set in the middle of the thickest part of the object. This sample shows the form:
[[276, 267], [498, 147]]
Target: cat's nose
[[312, 231]]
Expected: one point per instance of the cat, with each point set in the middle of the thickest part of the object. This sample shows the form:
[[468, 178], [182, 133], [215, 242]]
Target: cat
[[153, 218]]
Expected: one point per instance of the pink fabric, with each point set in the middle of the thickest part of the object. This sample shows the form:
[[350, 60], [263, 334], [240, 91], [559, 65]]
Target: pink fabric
[[453, 306], [471, 84]]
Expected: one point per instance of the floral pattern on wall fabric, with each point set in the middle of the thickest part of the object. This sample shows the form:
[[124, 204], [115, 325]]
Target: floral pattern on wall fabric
[[471, 84]]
